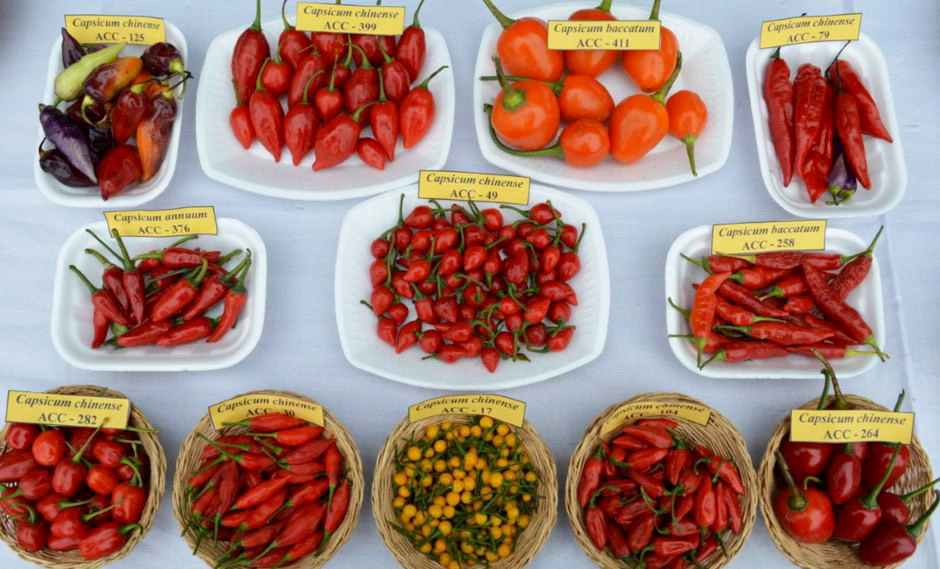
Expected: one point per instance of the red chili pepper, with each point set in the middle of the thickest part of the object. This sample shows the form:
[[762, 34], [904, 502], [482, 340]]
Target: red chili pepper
[[128, 501], [641, 532], [145, 334], [104, 540], [384, 121], [705, 504], [269, 422], [363, 86], [853, 273], [856, 519], [336, 510], [849, 128], [186, 333], [32, 533], [119, 168], [267, 117], [251, 50], [617, 541], [47, 450], [745, 298], [20, 436], [877, 462], [300, 125], [416, 113], [336, 139], [292, 43], [411, 47], [703, 315], [653, 487], [559, 341], [779, 96], [892, 543], [395, 78], [839, 311], [654, 436], [843, 476], [130, 108], [868, 110], [799, 304], [805, 514], [178, 296], [596, 527], [235, 300], [329, 99], [590, 479], [669, 547], [371, 153], [893, 507], [809, 99], [675, 463], [309, 451]]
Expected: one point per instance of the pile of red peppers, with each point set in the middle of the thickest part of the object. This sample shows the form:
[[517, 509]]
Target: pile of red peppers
[[842, 491], [162, 297], [771, 305], [275, 492], [481, 287], [654, 499], [73, 489], [816, 125], [335, 85], [113, 100]]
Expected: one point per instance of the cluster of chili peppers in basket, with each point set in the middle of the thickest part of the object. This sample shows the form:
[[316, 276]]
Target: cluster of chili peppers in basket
[[73, 488], [163, 297], [113, 100], [842, 491], [772, 305], [536, 97], [275, 491], [483, 287], [335, 85], [656, 500], [816, 125]]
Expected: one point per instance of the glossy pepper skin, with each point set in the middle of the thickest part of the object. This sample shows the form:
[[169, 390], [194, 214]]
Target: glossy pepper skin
[[412, 47], [108, 80], [591, 62], [313, 66], [525, 114], [650, 69], [153, 135], [293, 43], [640, 122], [104, 540], [362, 88], [132, 106], [72, 51], [300, 126], [869, 114], [70, 82], [848, 126], [119, 168], [523, 47], [267, 118], [336, 140], [235, 299], [688, 116], [162, 58], [893, 542], [69, 138], [240, 121], [416, 113], [53, 162], [805, 514], [809, 100], [778, 94], [251, 50]]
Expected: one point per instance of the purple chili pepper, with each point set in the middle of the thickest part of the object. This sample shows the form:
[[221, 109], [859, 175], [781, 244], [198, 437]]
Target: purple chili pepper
[[70, 138]]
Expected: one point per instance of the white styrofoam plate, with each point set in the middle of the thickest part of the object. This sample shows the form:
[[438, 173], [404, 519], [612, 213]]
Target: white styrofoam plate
[[885, 160], [705, 70], [681, 274], [254, 170], [71, 307], [137, 194], [367, 220]]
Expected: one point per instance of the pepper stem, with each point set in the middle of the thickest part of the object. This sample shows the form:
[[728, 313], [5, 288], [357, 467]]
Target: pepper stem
[[797, 502], [700, 263], [365, 64], [101, 258], [105, 245], [287, 25], [553, 150], [259, 86], [683, 311], [871, 246], [415, 23], [922, 490], [776, 53], [660, 95], [605, 5], [689, 141], [81, 276], [504, 20], [825, 392], [303, 100], [897, 404], [841, 402], [256, 25], [78, 455], [556, 86], [424, 84], [654, 13], [870, 502], [914, 529], [128, 263]]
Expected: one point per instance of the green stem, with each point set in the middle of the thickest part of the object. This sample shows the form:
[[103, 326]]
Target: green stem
[[664, 90], [555, 86], [654, 13], [689, 141], [871, 246], [504, 20], [415, 23], [365, 60], [922, 490], [424, 84], [81, 276], [605, 5], [105, 245], [870, 502], [554, 150], [256, 25], [841, 402], [287, 25], [914, 529], [259, 86], [797, 501], [125, 256]]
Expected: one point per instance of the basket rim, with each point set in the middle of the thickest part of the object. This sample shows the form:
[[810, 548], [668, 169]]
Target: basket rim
[[156, 455], [842, 554], [592, 438], [187, 461], [408, 556]]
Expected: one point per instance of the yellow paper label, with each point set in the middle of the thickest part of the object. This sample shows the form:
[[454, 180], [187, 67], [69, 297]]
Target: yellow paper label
[[164, 222], [107, 28], [690, 411], [67, 410], [248, 406], [808, 29], [857, 426], [761, 237], [496, 406], [344, 18], [471, 186], [603, 34]]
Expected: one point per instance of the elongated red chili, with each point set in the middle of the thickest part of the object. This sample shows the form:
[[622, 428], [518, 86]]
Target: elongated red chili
[[778, 94], [267, 117], [871, 122], [809, 98], [703, 314], [336, 139], [853, 273], [384, 122], [235, 300], [249, 55], [412, 49], [416, 112], [839, 311]]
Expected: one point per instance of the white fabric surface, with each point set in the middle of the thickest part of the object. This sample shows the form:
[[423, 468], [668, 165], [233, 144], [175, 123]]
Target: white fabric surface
[[299, 349]]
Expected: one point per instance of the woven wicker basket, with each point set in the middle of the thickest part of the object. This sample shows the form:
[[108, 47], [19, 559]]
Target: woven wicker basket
[[157, 479], [188, 461], [530, 541], [720, 435], [833, 554]]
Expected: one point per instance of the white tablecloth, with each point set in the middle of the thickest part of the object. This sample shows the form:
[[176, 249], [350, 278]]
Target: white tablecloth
[[299, 349]]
